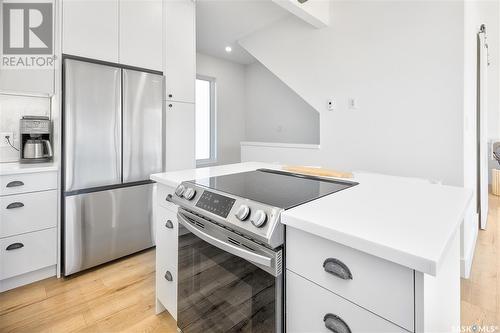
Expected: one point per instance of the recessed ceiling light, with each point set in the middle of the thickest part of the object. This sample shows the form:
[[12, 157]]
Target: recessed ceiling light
[[228, 49]]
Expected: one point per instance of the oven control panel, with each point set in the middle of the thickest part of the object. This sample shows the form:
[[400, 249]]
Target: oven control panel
[[215, 203], [254, 220]]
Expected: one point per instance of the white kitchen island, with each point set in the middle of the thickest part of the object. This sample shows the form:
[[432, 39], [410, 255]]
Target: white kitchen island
[[399, 239]]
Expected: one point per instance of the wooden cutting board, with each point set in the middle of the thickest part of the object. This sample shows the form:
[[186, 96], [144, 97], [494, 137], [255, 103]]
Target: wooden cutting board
[[317, 171]]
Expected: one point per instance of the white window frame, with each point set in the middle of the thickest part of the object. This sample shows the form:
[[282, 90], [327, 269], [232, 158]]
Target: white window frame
[[213, 123]]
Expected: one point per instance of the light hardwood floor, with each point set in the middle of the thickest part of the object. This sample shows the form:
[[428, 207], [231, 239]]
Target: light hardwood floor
[[120, 296], [481, 292], [113, 298]]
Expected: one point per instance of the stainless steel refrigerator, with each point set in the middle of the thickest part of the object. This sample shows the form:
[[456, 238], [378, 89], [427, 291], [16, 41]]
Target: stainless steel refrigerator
[[112, 141]]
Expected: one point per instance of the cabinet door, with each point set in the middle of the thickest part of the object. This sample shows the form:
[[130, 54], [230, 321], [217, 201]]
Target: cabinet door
[[310, 308], [180, 134], [180, 50], [141, 33], [27, 80], [90, 29], [166, 259]]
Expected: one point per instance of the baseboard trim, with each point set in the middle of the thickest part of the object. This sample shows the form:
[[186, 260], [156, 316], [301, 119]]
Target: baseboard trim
[[27, 278]]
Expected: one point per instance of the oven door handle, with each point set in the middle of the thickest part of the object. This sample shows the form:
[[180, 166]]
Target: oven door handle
[[228, 247]]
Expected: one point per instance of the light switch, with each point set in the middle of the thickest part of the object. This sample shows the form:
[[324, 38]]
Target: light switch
[[352, 103], [330, 105]]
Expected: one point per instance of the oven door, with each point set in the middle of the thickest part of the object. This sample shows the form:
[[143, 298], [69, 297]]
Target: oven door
[[226, 283]]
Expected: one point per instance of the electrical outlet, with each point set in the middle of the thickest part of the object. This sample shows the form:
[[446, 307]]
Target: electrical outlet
[[352, 103], [3, 139]]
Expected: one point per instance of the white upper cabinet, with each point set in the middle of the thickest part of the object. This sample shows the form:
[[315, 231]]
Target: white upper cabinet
[[179, 136], [180, 50], [141, 33], [90, 29], [27, 80]]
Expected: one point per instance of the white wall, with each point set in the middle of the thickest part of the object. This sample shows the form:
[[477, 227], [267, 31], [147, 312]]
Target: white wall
[[407, 76], [230, 99], [274, 113], [12, 109]]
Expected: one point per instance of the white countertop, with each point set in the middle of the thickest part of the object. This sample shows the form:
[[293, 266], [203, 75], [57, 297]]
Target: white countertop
[[174, 178], [406, 221], [14, 168]]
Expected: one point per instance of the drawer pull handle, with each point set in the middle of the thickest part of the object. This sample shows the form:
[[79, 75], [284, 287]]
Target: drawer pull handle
[[168, 276], [14, 246], [337, 268], [15, 205], [15, 183], [169, 224], [169, 198], [335, 324]]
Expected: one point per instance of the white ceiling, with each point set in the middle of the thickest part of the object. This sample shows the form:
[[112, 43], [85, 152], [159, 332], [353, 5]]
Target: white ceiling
[[220, 23]]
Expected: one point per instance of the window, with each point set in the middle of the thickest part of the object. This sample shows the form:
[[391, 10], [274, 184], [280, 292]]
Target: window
[[205, 121]]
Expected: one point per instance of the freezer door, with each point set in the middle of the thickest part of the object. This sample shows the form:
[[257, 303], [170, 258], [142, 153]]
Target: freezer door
[[102, 226], [142, 125], [92, 125]]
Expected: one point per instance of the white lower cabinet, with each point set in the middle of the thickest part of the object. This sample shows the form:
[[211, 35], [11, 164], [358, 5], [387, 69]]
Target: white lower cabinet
[[378, 285], [29, 182], [27, 252], [28, 228], [167, 230], [311, 308], [162, 196], [27, 212]]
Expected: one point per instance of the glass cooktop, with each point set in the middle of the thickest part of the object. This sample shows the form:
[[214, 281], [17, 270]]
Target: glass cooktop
[[276, 188]]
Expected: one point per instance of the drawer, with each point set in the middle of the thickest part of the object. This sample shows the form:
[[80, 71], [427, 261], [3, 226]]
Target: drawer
[[308, 305], [28, 182], [163, 192], [39, 250], [167, 230], [378, 285], [27, 212]]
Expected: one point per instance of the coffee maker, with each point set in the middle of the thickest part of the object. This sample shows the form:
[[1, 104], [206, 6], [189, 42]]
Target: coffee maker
[[36, 136]]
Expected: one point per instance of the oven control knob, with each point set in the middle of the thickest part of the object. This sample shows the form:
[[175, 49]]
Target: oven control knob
[[189, 193], [242, 212], [180, 190], [259, 219]]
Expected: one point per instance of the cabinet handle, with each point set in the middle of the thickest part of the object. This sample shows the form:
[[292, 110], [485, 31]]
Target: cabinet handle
[[337, 268], [14, 246], [170, 105], [15, 205], [170, 96], [335, 324], [169, 224], [168, 276], [15, 183], [169, 198]]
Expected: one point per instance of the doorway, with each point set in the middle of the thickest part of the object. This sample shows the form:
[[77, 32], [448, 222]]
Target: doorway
[[481, 127]]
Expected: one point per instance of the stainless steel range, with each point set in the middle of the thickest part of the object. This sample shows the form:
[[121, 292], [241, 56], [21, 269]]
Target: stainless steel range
[[231, 248]]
